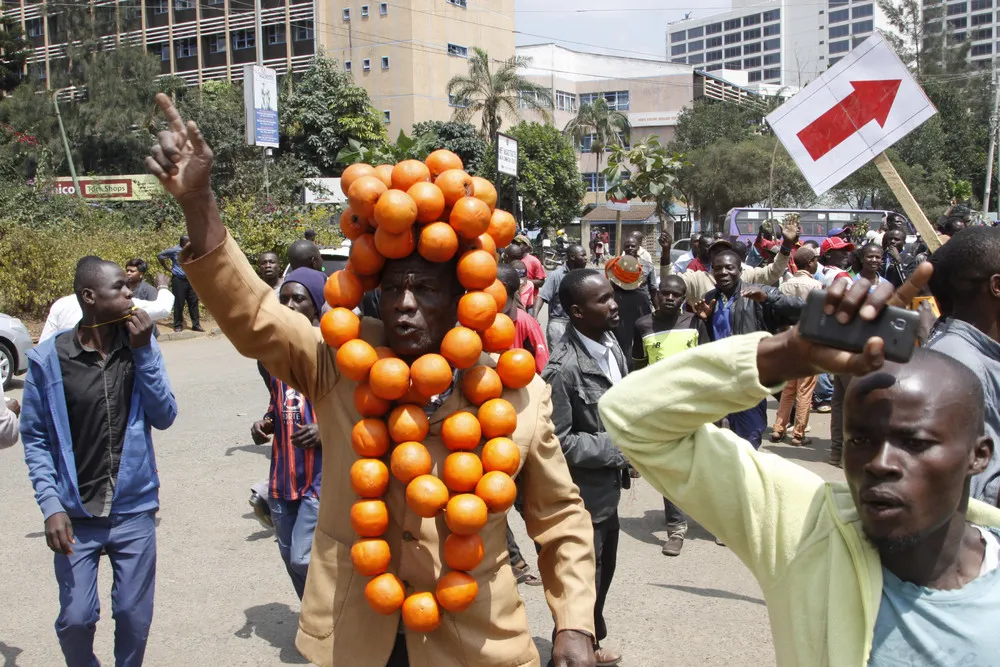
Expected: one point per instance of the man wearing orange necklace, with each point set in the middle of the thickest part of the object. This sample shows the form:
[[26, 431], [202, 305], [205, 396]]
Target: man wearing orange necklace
[[418, 307]]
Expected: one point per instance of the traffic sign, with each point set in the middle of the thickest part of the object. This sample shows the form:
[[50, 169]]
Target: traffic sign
[[506, 155], [856, 110]]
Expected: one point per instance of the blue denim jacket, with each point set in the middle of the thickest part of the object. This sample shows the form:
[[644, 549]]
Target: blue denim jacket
[[48, 444]]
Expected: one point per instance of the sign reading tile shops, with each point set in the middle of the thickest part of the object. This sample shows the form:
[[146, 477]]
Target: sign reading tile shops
[[127, 187], [506, 155], [859, 108], [260, 97]]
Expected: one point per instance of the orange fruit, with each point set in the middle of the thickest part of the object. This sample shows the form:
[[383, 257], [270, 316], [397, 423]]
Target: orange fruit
[[477, 310], [355, 359], [484, 191], [463, 552], [370, 437], [501, 454], [364, 193], [394, 246], [516, 368], [441, 161], [466, 514], [408, 172], [430, 375], [461, 471], [385, 593], [500, 335], [429, 200], [343, 288], [480, 384], [395, 212], [389, 378], [497, 490], [369, 517], [370, 282], [353, 173], [462, 347], [385, 352], [421, 613], [499, 294], [371, 556], [485, 242], [461, 431], [369, 478], [502, 227], [470, 217], [426, 496], [409, 460], [384, 173], [413, 397], [351, 225], [368, 404], [438, 242], [454, 184], [497, 417], [338, 326], [456, 591], [365, 258], [476, 270], [408, 422]]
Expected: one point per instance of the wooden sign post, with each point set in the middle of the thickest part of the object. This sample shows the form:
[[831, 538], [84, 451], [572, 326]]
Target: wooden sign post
[[906, 200]]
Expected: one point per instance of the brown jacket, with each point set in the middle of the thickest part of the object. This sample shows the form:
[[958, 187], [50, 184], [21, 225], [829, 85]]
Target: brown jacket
[[336, 626]]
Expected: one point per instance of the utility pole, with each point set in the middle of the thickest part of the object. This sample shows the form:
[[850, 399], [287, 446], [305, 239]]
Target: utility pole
[[69, 154], [994, 118], [259, 41]]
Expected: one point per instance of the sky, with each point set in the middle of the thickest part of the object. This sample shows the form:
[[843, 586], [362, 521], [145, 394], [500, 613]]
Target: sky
[[633, 28]]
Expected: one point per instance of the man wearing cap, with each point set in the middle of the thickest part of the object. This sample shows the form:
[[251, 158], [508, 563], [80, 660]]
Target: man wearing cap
[[520, 248], [836, 255], [699, 283], [628, 281], [633, 247], [576, 258]]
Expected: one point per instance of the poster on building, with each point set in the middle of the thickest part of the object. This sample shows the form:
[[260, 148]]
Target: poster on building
[[506, 155], [260, 98], [323, 191], [126, 187]]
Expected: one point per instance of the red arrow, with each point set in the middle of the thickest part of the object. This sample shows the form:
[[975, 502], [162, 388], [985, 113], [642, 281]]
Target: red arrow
[[871, 100]]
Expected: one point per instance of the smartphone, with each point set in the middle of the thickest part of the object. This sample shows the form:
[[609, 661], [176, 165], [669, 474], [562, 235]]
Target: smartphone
[[896, 326]]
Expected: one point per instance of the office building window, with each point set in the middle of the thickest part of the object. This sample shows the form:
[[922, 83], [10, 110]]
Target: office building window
[[750, 63], [732, 38], [386, 116], [976, 5], [456, 50], [957, 8], [678, 36], [678, 49], [181, 5], [523, 97], [752, 19], [751, 48], [751, 34], [160, 7], [713, 68], [186, 48], [774, 73], [696, 59], [366, 64], [839, 16], [956, 38], [216, 44], [216, 3], [753, 77], [594, 181], [862, 27], [773, 15], [275, 34], [840, 47], [458, 102], [385, 62], [959, 22], [772, 58], [617, 100], [838, 3], [347, 65], [713, 28], [772, 44], [733, 65], [364, 11], [862, 11], [982, 19], [982, 33], [164, 52], [836, 31], [981, 50], [696, 32], [713, 42], [36, 71], [383, 8], [303, 31], [243, 39], [587, 142], [731, 24], [565, 101], [771, 30], [34, 27], [834, 61], [457, 3], [713, 56], [696, 45], [347, 14], [732, 52]]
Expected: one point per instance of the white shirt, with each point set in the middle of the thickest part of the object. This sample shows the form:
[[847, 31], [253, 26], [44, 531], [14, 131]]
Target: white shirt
[[603, 355], [8, 424], [681, 265], [644, 255], [66, 312]]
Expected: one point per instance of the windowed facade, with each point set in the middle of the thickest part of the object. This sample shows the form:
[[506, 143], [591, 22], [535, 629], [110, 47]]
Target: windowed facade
[[840, 16], [457, 102], [734, 38], [836, 31], [303, 31], [594, 181], [752, 19], [364, 11], [366, 65], [528, 99], [385, 62], [565, 101], [861, 27], [981, 50], [386, 116], [243, 39], [772, 15], [186, 48], [459, 51], [617, 100], [860, 12], [773, 29], [383, 8], [772, 44], [216, 44], [840, 47], [275, 34], [751, 34], [732, 24]]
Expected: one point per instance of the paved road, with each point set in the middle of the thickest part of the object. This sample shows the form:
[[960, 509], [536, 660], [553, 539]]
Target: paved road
[[223, 597]]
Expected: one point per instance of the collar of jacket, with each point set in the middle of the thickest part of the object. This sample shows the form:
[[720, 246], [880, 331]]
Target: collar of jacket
[[582, 356]]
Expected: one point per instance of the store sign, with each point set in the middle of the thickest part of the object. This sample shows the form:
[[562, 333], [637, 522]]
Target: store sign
[[260, 98], [128, 187], [654, 119], [323, 191], [506, 155]]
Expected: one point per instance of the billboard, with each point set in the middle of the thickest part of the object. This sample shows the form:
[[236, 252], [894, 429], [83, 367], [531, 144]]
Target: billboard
[[127, 187], [260, 99]]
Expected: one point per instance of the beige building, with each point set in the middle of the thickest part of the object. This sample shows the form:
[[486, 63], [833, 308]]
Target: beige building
[[402, 52]]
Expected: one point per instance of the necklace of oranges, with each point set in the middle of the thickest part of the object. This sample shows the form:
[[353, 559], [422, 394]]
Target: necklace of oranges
[[437, 209]]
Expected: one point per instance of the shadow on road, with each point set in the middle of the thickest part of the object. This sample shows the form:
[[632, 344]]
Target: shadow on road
[[9, 654], [818, 451], [712, 593], [263, 450], [276, 624], [544, 646], [643, 527]]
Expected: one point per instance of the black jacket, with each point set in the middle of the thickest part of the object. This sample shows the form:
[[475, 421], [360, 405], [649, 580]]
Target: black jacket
[[747, 316], [595, 463]]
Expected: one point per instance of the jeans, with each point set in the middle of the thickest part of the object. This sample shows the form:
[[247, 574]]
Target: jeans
[[184, 293], [798, 392], [130, 542], [750, 424], [513, 551], [554, 331], [840, 383], [677, 523], [294, 525], [824, 389], [606, 556]]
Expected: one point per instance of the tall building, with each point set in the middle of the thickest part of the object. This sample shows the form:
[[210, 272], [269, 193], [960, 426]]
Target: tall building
[[784, 42], [969, 20], [402, 52]]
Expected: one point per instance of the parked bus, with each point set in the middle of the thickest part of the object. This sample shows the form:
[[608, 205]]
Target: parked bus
[[815, 223]]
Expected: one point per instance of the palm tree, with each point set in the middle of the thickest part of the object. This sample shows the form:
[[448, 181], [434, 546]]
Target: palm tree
[[607, 126], [496, 93]]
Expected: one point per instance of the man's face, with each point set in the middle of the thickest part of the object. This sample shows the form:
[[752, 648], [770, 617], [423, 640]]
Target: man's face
[[576, 258], [110, 297], [419, 304], [132, 276], [908, 448], [598, 309], [670, 296], [704, 243], [631, 246], [267, 263], [296, 297], [872, 259], [894, 238], [516, 251], [726, 270], [838, 258]]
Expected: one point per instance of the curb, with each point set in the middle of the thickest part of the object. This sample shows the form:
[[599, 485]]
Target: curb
[[187, 335]]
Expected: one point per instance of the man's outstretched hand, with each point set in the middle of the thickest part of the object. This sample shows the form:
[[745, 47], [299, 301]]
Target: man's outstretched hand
[[180, 158], [788, 355]]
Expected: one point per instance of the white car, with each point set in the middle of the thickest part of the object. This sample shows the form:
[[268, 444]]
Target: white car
[[15, 341]]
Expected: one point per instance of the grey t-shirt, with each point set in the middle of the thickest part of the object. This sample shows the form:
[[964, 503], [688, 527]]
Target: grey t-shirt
[[550, 293]]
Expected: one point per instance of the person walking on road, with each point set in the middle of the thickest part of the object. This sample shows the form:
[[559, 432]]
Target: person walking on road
[[576, 258], [586, 363], [91, 396], [183, 292]]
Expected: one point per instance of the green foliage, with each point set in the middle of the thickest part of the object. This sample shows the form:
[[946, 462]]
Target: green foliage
[[14, 50], [707, 121], [459, 138], [549, 179], [496, 92], [645, 172], [609, 128]]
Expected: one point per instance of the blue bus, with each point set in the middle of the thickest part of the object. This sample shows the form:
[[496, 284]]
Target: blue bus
[[816, 223]]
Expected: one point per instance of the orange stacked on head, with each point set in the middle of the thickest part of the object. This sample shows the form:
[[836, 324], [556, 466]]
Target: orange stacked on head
[[436, 209]]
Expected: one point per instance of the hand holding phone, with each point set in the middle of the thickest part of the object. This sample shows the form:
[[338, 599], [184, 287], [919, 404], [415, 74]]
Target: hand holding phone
[[896, 327]]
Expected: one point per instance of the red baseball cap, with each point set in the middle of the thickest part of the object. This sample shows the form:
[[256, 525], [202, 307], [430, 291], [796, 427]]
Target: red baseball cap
[[835, 243]]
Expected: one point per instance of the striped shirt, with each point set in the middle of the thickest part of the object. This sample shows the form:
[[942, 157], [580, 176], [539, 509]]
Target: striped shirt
[[295, 473]]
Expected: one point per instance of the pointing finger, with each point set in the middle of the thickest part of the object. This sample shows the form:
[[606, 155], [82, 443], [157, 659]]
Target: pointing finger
[[168, 143], [153, 167], [913, 286], [170, 113], [194, 135]]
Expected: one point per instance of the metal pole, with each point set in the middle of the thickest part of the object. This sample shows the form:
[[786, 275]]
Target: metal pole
[[69, 155], [259, 33], [618, 233], [993, 140], [267, 183]]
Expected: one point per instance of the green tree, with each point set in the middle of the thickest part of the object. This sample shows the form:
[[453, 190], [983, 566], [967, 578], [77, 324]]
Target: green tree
[[496, 92], [324, 110], [548, 180], [647, 172], [706, 121], [459, 138], [608, 127], [14, 52]]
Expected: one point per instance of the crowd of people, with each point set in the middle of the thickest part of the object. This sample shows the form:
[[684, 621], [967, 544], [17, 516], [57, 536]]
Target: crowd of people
[[897, 565]]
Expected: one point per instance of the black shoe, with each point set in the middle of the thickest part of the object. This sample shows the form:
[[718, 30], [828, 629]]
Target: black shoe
[[261, 510], [178, 329], [197, 328]]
